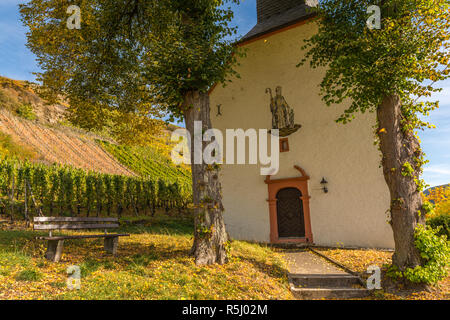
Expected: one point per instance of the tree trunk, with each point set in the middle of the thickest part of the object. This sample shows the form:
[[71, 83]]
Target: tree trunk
[[399, 148], [210, 236]]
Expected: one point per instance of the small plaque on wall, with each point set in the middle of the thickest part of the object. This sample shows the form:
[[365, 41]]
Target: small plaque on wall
[[284, 145]]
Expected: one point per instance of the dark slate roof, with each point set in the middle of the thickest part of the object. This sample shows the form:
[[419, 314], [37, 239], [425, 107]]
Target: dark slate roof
[[279, 21]]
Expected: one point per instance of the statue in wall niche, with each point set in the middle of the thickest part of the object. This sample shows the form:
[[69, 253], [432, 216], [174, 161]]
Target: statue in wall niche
[[283, 117]]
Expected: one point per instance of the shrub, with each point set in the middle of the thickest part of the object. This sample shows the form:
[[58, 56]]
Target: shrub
[[26, 111], [435, 251], [441, 223], [9, 147]]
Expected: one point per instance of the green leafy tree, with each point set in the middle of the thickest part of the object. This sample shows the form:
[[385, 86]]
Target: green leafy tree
[[141, 56], [386, 71]]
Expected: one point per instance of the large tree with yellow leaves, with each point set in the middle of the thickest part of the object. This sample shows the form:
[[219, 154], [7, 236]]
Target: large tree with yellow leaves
[[142, 56]]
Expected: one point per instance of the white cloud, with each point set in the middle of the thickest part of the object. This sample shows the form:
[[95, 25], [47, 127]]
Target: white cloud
[[436, 175], [441, 169], [443, 96]]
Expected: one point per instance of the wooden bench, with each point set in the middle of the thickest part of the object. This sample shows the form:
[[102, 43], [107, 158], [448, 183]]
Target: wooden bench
[[55, 243]]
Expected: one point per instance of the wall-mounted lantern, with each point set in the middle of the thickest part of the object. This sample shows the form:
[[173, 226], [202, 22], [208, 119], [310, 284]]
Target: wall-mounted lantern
[[324, 184], [219, 111]]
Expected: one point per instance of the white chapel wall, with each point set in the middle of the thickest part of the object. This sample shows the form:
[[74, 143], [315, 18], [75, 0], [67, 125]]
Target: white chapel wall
[[353, 213]]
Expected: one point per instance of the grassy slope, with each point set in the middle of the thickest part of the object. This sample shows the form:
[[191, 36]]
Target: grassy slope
[[57, 144], [151, 161], [10, 148], [36, 130], [154, 263]]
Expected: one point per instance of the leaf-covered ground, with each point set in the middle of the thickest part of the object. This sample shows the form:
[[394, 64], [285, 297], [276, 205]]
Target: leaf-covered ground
[[360, 260], [154, 263]]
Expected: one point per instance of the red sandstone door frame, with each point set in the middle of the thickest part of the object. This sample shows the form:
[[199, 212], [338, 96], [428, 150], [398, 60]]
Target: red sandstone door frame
[[274, 186]]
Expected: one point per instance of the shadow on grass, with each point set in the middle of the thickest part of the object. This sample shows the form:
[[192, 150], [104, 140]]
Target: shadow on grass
[[9, 237], [22, 243], [17, 243], [160, 224], [136, 256], [272, 270], [263, 258]]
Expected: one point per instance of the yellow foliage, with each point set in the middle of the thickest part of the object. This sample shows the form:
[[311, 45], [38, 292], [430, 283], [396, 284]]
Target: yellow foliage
[[134, 129], [441, 198], [359, 260], [153, 263], [11, 148]]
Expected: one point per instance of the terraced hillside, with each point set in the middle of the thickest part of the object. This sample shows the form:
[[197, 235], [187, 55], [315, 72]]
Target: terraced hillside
[[35, 127], [60, 145]]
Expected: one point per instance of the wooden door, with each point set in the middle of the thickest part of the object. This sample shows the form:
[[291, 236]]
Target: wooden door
[[290, 214]]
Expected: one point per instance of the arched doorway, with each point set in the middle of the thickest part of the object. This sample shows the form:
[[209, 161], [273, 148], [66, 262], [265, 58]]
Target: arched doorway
[[290, 214], [288, 200]]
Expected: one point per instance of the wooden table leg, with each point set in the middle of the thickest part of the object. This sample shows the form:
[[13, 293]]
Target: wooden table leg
[[111, 245], [54, 250]]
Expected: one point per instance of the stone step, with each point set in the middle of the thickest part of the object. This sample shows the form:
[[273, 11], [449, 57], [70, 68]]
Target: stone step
[[329, 293], [314, 277], [324, 280]]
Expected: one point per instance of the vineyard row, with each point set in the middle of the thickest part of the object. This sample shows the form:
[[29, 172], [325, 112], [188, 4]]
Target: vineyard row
[[35, 189]]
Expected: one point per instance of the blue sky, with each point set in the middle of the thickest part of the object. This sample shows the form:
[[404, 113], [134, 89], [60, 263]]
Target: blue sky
[[17, 62]]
